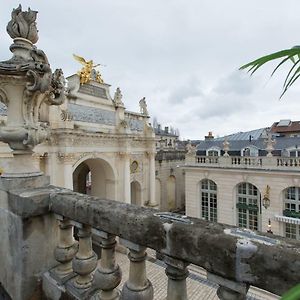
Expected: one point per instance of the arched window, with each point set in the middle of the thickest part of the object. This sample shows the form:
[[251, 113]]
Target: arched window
[[249, 151], [292, 209], [208, 192], [248, 198]]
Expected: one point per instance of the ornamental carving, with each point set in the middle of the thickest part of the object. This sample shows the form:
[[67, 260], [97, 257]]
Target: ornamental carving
[[27, 82]]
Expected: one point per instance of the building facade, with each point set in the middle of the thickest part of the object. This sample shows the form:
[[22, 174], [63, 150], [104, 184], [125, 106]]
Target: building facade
[[96, 146], [250, 180]]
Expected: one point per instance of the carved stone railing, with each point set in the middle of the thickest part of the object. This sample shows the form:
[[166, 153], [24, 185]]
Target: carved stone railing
[[247, 162], [233, 258]]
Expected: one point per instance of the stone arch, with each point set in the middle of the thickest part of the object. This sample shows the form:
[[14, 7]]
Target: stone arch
[[171, 192], [158, 191], [136, 193], [95, 176]]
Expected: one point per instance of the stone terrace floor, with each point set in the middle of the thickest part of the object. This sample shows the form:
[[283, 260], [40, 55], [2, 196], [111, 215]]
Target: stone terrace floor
[[197, 284]]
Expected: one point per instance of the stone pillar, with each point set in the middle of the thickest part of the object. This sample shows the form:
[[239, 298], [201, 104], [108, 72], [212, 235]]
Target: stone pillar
[[85, 261], [152, 200], [137, 287], [229, 290], [127, 193], [108, 274], [66, 249], [68, 175], [177, 273]]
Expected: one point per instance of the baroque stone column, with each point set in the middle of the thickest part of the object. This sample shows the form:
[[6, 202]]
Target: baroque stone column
[[152, 200], [137, 287], [108, 274], [177, 273], [126, 174], [67, 164]]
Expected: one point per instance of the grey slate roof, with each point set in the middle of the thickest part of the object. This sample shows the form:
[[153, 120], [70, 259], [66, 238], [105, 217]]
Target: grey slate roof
[[243, 136], [237, 145]]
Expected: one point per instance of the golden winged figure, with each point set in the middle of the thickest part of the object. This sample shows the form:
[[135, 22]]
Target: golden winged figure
[[88, 73]]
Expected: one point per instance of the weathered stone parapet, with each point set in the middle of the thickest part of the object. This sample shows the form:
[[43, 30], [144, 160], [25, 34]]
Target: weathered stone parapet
[[263, 264]]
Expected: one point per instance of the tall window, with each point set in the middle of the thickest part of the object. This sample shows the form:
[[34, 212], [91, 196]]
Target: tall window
[[248, 198], [292, 209], [208, 191]]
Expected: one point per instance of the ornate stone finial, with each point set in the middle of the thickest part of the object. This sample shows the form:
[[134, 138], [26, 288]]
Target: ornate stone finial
[[26, 85], [88, 73], [143, 106], [226, 145], [269, 144], [23, 25], [118, 98]]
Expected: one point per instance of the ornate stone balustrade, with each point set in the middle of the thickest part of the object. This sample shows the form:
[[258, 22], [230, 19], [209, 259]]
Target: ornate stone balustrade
[[233, 258], [244, 162], [47, 216]]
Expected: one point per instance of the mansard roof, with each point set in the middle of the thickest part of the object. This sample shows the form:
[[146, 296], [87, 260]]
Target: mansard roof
[[237, 145]]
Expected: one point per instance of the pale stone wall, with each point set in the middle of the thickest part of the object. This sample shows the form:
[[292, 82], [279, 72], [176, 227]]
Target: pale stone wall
[[227, 180], [164, 170]]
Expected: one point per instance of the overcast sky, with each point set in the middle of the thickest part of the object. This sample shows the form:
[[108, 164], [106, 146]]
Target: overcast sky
[[183, 56]]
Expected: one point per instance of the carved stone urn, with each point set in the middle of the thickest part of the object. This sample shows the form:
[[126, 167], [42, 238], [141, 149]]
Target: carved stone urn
[[26, 85]]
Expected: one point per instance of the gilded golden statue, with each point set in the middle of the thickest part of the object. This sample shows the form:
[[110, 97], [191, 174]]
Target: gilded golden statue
[[88, 73]]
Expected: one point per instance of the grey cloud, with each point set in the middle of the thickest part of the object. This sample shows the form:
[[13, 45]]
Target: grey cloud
[[174, 53], [190, 88]]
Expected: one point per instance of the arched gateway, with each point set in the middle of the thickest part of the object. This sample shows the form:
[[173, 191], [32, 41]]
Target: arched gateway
[[95, 177]]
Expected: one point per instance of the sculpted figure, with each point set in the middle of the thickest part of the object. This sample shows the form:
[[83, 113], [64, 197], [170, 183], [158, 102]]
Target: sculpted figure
[[118, 97], [88, 72], [143, 106]]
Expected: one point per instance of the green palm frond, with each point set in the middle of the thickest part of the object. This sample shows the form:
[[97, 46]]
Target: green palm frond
[[292, 55], [292, 294]]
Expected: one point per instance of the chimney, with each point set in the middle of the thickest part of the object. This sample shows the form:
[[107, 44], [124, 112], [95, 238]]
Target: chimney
[[209, 136], [166, 129]]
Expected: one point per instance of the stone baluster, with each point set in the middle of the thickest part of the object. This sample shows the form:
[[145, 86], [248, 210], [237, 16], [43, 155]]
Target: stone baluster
[[229, 290], [108, 274], [177, 273], [138, 287], [85, 261], [65, 251]]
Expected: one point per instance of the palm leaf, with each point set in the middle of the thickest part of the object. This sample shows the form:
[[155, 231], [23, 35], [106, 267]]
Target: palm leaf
[[287, 54], [270, 57]]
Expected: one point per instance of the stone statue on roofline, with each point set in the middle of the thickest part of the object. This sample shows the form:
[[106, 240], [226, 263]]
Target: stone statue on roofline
[[226, 148], [143, 106], [118, 97], [270, 144]]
